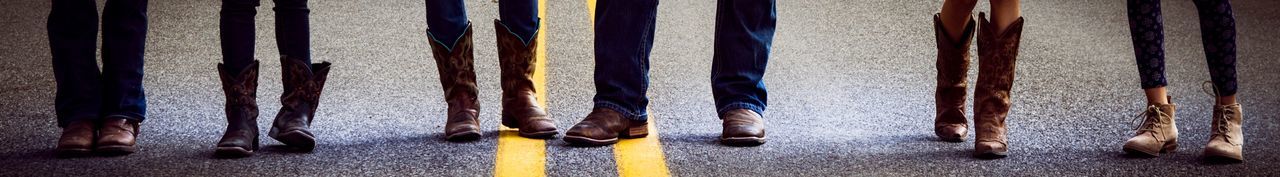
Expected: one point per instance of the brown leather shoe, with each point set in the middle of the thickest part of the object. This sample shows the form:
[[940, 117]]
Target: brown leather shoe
[[998, 54], [1226, 144], [458, 79], [520, 107], [77, 139], [241, 89], [117, 136], [603, 127], [742, 127], [949, 123], [302, 88]]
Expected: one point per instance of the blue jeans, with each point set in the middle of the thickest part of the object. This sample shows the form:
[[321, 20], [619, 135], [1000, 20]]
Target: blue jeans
[[447, 19], [84, 94], [236, 30], [624, 36]]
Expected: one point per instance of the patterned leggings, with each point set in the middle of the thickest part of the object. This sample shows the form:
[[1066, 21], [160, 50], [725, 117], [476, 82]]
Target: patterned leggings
[[1218, 31]]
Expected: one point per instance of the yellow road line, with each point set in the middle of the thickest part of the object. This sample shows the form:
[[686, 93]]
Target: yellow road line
[[519, 156], [642, 156]]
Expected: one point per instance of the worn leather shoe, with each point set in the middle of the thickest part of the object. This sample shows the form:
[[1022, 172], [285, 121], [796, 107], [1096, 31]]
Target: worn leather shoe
[[76, 140], [118, 136], [742, 127], [603, 127]]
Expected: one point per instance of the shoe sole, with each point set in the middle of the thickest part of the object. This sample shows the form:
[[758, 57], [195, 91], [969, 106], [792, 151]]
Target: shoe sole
[[742, 141], [584, 141], [549, 134], [1134, 150], [232, 152], [1225, 159], [992, 155], [72, 153], [463, 136], [297, 138], [115, 150]]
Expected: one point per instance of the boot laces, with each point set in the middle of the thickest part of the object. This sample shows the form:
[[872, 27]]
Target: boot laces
[[1220, 125], [1150, 121]]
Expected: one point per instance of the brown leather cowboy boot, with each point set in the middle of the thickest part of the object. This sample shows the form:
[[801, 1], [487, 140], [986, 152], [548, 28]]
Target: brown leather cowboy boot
[[520, 107], [241, 90], [998, 54], [602, 127], [117, 136], [77, 139], [1158, 132], [742, 127], [1227, 142], [302, 87], [458, 79], [949, 124]]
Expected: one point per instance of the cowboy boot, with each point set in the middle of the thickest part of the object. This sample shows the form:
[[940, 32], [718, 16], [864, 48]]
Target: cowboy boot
[[458, 79], [742, 127], [241, 89], [1227, 141], [117, 136], [77, 139], [1158, 132], [998, 54], [949, 123], [520, 108], [302, 87], [604, 126]]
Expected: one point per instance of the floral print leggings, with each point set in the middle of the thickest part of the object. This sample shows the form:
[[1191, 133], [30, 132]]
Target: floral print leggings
[[1218, 31]]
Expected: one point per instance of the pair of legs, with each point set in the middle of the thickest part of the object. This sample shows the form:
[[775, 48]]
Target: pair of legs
[[998, 41], [111, 102], [302, 80], [450, 33], [1158, 132], [1217, 28], [624, 32]]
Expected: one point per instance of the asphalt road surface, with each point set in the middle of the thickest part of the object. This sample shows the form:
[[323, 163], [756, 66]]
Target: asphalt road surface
[[850, 94]]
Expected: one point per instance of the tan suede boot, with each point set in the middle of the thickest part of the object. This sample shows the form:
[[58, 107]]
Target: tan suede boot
[[1227, 141], [953, 66], [998, 54], [1158, 132]]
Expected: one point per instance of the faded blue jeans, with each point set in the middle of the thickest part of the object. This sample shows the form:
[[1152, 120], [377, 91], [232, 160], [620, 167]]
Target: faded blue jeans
[[624, 36]]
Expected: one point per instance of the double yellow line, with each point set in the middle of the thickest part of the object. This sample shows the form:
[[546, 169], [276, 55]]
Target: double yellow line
[[519, 156]]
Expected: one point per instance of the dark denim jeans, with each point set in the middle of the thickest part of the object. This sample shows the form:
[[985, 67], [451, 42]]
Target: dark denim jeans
[[624, 36], [236, 29], [83, 92], [447, 19]]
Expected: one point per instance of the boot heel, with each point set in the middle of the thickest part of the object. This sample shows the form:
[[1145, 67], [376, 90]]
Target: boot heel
[[637, 131], [509, 121], [1170, 147]]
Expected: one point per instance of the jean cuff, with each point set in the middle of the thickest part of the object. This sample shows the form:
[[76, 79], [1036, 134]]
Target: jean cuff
[[734, 106], [126, 115], [636, 115]]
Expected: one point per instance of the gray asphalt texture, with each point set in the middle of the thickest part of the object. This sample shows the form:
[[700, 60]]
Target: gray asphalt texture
[[851, 94]]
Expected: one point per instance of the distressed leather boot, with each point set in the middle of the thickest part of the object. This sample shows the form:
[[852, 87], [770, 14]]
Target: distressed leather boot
[[1227, 141], [742, 127], [949, 124], [241, 90], [77, 139], [117, 136], [520, 107], [998, 54], [458, 79], [302, 87], [1158, 132], [604, 126]]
